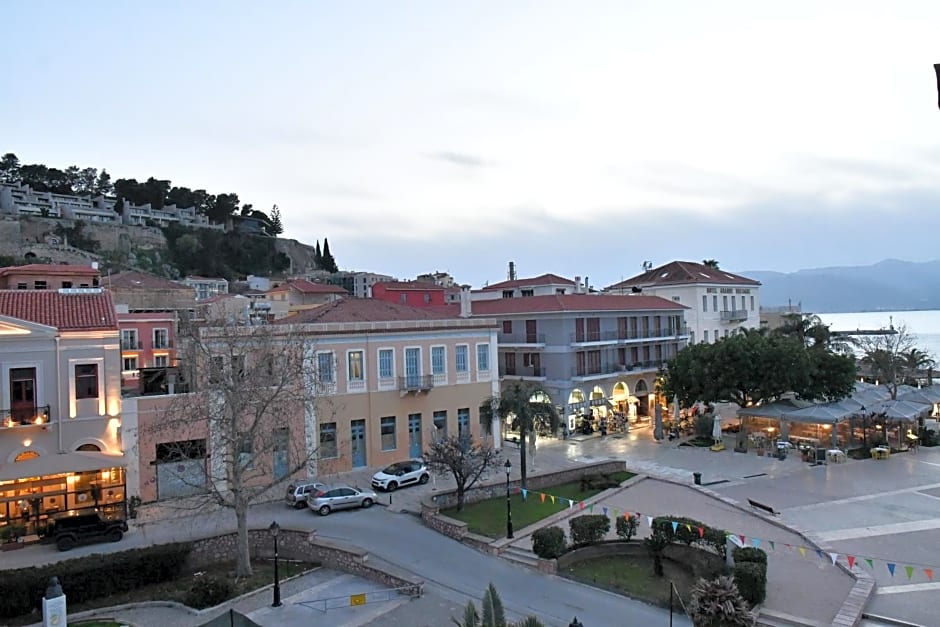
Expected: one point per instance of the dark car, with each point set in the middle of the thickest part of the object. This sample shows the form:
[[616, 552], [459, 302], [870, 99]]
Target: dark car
[[69, 531]]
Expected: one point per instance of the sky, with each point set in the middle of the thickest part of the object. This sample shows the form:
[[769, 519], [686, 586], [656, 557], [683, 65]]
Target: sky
[[580, 138]]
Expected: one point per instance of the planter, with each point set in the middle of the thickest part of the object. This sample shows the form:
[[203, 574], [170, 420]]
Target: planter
[[760, 452], [11, 546]]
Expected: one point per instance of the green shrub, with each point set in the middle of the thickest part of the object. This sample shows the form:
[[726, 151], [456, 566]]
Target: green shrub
[[627, 526], [91, 577], [928, 437], [598, 482], [655, 544], [718, 602], [549, 542], [749, 554], [589, 528], [208, 591], [751, 580], [687, 533]]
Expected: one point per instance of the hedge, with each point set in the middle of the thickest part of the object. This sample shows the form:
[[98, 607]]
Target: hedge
[[549, 542], [749, 554], [627, 526], [689, 531], [91, 577], [751, 579], [589, 528]]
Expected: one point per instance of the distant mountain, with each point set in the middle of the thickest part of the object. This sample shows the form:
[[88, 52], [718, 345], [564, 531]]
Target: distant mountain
[[885, 286]]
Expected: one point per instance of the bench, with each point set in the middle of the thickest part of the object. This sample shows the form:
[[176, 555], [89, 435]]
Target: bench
[[761, 506]]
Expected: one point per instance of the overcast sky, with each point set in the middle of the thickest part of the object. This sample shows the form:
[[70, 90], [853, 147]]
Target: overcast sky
[[580, 137]]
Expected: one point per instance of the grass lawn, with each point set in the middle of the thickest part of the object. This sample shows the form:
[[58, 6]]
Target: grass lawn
[[633, 576], [488, 517], [176, 589]]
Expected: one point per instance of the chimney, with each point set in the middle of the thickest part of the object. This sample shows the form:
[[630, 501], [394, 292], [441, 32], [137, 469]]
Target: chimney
[[587, 286], [465, 309], [577, 285]]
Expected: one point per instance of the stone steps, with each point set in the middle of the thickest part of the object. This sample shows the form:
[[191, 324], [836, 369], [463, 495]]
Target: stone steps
[[770, 618], [520, 556]]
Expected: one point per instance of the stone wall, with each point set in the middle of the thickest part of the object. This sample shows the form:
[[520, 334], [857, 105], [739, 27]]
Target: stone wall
[[305, 546]]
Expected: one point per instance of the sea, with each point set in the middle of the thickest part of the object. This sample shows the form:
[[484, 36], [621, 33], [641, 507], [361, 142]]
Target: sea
[[923, 325]]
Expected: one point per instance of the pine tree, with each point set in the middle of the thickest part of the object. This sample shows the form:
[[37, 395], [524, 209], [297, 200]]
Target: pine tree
[[277, 227], [328, 263]]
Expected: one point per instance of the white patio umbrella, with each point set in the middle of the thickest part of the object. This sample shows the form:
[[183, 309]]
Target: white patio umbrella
[[716, 428], [658, 426]]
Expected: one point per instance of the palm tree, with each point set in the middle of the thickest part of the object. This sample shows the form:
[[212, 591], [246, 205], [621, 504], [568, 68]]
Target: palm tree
[[710, 263], [887, 366], [916, 360], [526, 407], [717, 603]]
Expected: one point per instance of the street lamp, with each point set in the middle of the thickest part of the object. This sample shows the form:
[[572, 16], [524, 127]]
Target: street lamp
[[508, 467], [275, 529]]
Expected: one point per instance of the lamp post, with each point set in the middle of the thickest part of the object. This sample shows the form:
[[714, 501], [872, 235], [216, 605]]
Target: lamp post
[[508, 467], [275, 529]]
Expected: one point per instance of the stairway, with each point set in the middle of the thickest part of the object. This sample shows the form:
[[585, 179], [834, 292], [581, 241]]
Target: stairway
[[520, 556]]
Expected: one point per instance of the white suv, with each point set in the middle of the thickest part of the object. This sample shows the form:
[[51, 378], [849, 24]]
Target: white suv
[[401, 474]]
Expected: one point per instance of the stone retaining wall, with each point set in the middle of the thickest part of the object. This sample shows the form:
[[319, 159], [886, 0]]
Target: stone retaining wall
[[703, 563], [305, 546]]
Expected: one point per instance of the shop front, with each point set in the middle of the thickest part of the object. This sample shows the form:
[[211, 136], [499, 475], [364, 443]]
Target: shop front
[[27, 503]]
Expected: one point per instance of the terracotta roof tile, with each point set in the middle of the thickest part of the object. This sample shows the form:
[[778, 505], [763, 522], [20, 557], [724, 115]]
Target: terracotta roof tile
[[309, 287], [85, 311], [50, 268], [566, 303], [545, 279], [141, 281], [411, 285], [366, 310], [684, 273]]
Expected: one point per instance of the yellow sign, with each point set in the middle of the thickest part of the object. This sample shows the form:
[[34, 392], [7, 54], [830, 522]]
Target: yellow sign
[[357, 599]]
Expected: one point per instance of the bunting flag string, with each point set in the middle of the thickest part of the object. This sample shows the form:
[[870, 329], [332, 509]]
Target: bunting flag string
[[833, 557]]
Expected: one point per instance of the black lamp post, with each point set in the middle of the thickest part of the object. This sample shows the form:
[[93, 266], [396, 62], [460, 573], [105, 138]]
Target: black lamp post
[[275, 529], [508, 466]]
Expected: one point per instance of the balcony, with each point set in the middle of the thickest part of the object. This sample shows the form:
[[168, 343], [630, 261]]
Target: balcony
[[25, 417], [629, 335], [161, 344], [524, 372], [525, 339], [734, 315], [608, 368], [415, 383], [127, 345]]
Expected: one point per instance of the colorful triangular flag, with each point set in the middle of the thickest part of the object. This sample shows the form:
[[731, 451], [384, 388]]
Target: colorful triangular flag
[[871, 563], [542, 495], [701, 532], [605, 511], [891, 568], [803, 551], [834, 557], [851, 561], [929, 573], [553, 499], [755, 542], [909, 570], [649, 521], [772, 546], [819, 553], [591, 508], [742, 539], [675, 526], [525, 493], [570, 503], [689, 527], [789, 546]]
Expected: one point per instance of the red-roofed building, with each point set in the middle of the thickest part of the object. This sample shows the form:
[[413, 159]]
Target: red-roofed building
[[542, 285], [414, 293], [591, 354], [61, 445], [40, 276], [295, 295], [719, 302]]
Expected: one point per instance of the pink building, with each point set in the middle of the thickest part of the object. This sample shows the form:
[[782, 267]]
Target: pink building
[[148, 341], [412, 293], [41, 276]]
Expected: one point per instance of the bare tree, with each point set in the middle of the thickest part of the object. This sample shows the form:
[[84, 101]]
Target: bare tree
[[893, 358], [466, 461], [253, 390]]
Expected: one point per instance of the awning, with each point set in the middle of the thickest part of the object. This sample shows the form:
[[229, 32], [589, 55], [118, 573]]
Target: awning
[[59, 463], [775, 409], [830, 413], [902, 411]]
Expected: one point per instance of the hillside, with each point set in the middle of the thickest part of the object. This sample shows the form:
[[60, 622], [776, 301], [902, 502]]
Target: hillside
[[888, 285]]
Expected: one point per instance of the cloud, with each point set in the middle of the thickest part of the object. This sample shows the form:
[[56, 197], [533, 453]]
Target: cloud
[[461, 159]]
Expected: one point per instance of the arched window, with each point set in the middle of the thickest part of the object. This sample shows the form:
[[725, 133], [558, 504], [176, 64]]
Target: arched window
[[25, 455], [93, 448]]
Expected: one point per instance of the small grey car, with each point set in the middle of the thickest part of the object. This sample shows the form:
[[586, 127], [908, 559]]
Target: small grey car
[[326, 500]]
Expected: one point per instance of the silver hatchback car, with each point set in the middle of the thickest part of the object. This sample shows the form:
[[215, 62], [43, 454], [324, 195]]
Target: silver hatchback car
[[326, 500]]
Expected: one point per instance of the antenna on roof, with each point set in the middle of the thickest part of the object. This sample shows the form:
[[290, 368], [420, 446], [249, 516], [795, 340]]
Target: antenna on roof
[[511, 275], [647, 266]]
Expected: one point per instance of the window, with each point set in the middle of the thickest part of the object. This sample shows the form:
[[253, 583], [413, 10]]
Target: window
[[714, 303], [724, 303], [39, 285], [528, 292], [462, 358], [463, 422], [437, 360], [325, 368], [354, 362], [676, 299], [22, 286], [66, 285], [752, 303], [705, 338], [238, 366], [726, 332], [386, 363], [328, 447], [129, 340], [507, 326], [160, 361], [216, 369], [427, 298], [161, 338], [388, 433], [483, 357], [704, 302], [440, 424], [716, 335], [130, 363], [507, 293], [559, 291], [86, 381], [245, 451], [281, 459], [403, 298]]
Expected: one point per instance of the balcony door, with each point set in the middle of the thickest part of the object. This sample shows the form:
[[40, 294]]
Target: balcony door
[[531, 331], [412, 367], [23, 394]]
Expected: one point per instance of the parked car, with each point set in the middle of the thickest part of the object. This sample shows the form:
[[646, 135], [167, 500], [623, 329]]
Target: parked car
[[339, 497], [297, 493], [401, 474], [69, 531]]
